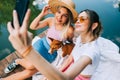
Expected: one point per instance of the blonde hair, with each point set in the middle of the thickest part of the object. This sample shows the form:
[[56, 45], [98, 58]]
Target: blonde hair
[[67, 24], [64, 31]]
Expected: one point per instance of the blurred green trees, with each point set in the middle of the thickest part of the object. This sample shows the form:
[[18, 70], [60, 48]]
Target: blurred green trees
[[6, 7]]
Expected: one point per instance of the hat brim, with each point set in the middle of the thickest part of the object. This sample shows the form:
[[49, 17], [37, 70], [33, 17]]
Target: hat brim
[[54, 7]]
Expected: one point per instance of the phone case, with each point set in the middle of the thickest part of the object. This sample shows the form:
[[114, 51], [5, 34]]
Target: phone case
[[21, 8]]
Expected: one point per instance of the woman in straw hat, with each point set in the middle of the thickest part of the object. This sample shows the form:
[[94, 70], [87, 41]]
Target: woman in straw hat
[[60, 28]]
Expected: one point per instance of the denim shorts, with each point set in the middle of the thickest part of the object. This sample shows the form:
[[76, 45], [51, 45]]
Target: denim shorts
[[42, 47]]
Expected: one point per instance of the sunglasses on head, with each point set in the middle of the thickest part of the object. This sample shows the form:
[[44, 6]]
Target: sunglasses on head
[[82, 18]]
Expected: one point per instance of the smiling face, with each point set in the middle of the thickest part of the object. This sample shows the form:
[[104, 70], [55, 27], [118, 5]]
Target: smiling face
[[82, 24], [61, 16], [88, 24]]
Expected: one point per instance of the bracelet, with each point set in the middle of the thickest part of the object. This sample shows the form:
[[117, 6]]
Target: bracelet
[[27, 51]]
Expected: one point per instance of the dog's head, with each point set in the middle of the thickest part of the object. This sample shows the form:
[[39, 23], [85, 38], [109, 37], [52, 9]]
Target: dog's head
[[55, 45]]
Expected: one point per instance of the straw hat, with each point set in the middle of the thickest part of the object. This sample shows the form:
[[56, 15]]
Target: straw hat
[[66, 3]]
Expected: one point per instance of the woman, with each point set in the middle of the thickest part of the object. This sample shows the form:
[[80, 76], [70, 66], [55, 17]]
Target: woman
[[88, 38], [88, 27]]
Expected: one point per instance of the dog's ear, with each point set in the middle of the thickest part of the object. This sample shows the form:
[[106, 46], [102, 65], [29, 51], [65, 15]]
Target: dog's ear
[[51, 38]]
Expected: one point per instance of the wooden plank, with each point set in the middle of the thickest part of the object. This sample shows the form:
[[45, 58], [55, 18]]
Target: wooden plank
[[3, 64], [11, 57]]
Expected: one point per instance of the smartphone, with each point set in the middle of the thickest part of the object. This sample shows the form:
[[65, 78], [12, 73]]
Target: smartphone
[[21, 7]]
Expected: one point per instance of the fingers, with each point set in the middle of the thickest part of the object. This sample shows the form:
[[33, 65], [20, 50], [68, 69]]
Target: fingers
[[26, 19], [25, 26], [46, 8], [9, 27], [21, 30], [25, 39], [15, 20], [49, 11]]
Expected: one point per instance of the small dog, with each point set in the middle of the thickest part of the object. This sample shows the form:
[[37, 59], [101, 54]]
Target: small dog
[[56, 44]]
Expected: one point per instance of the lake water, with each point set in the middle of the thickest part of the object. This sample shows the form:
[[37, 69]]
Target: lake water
[[109, 16]]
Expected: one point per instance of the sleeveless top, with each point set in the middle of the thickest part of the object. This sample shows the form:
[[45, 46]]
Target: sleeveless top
[[55, 34]]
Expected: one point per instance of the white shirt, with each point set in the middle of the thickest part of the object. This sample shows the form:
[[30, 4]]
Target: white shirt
[[88, 49], [109, 64]]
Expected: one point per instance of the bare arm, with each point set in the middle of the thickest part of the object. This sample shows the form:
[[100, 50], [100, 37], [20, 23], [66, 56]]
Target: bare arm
[[67, 63], [38, 23]]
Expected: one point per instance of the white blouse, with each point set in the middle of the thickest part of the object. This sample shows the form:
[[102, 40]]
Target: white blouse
[[88, 49]]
